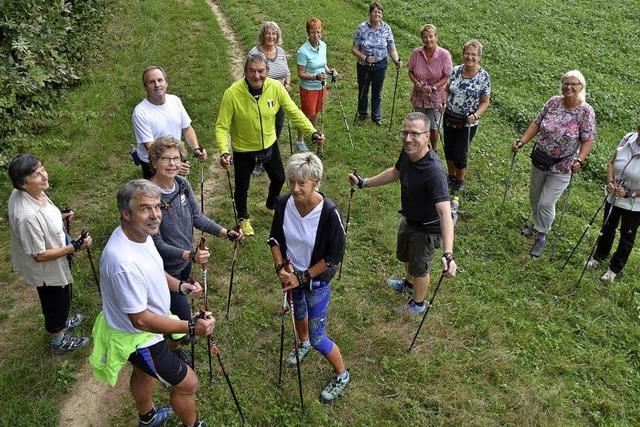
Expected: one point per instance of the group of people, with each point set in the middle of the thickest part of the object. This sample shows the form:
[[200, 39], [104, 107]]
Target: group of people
[[145, 267]]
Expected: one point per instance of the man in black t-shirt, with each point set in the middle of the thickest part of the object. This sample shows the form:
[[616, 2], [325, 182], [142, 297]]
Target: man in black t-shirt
[[426, 212]]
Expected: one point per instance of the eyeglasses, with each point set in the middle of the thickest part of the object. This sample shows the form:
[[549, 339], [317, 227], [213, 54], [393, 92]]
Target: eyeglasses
[[41, 174], [405, 133], [571, 84], [174, 160]]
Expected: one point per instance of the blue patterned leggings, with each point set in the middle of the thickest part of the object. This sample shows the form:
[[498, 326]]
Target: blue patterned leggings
[[314, 305]]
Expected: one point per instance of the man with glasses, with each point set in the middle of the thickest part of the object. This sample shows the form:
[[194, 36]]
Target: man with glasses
[[161, 114], [39, 249], [426, 212]]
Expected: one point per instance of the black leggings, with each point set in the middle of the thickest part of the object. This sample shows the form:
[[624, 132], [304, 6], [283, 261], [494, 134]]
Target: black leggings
[[629, 226], [55, 302], [243, 164], [456, 144]]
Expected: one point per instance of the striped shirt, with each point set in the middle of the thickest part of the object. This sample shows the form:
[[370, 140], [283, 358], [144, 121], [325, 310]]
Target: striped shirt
[[278, 66]]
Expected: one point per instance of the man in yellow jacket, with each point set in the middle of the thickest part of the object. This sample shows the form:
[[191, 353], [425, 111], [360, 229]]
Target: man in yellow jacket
[[247, 116]]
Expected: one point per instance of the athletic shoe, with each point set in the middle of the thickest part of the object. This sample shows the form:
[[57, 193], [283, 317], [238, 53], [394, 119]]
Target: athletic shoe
[[377, 122], [301, 146], [257, 170], [608, 276], [159, 418], [592, 263], [265, 209], [303, 350], [72, 322], [527, 231], [69, 344], [246, 227], [335, 388], [457, 187], [400, 285], [410, 307], [538, 245]]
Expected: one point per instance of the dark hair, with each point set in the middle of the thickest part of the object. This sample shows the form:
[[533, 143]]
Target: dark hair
[[376, 5], [21, 167]]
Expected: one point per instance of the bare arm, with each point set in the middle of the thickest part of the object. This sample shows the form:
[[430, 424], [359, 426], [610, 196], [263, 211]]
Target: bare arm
[[446, 225], [385, 177]]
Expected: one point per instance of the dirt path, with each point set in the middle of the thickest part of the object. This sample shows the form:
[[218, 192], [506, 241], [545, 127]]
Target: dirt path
[[92, 403]]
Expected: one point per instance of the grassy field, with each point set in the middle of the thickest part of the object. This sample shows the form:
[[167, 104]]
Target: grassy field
[[511, 340]]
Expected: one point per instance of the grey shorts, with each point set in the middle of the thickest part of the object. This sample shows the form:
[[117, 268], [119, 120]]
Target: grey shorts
[[416, 247], [433, 114]]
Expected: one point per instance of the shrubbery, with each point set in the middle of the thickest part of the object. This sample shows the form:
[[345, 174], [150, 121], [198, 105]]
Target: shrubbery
[[45, 46]]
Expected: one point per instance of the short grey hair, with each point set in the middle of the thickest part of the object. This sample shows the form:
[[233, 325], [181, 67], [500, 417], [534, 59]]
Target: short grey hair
[[151, 68], [164, 143], [269, 25], [131, 190], [473, 43], [255, 57], [582, 95], [303, 167], [418, 116]]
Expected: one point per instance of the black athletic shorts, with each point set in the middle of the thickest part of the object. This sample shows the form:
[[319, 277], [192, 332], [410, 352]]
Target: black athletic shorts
[[160, 362]]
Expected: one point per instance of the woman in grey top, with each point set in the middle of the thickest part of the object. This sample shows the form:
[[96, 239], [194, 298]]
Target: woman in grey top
[[180, 213], [269, 42]]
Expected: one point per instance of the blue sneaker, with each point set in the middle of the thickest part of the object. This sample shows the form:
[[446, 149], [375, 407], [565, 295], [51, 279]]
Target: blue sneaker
[[161, 417], [400, 285], [302, 147], [411, 308]]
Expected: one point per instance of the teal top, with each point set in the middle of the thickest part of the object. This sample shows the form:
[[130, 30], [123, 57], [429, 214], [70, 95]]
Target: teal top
[[314, 60]]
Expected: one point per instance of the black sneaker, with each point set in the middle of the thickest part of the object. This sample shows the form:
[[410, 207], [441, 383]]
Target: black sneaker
[[70, 344]]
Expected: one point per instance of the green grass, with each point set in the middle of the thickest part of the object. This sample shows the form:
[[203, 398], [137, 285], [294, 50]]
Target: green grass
[[510, 340]]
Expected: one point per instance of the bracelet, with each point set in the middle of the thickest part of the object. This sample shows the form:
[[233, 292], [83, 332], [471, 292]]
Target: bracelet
[[279, 267], [197, 150], [192, 327], [448, 256], [578, 160], [180, 288], [192, 255], [304, 279]]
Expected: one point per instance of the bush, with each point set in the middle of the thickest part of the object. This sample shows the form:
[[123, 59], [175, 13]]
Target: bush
[[44, 48]]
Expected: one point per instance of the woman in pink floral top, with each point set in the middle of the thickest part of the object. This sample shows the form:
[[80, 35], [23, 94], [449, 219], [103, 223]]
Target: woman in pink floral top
[[429, 69], [567, 128]]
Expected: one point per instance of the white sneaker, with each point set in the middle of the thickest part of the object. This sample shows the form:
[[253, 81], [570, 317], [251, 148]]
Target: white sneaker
[[592, 263], [335, 388], [608, 276], [303, 350]]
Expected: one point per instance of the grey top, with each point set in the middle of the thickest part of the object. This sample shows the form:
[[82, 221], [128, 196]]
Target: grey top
[[278, 65], [180, 213]]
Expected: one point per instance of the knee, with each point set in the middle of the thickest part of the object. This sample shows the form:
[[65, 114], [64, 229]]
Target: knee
[[321, 343], [188, 385]]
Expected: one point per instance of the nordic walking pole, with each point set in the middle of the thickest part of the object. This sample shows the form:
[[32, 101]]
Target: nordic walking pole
[[393, 104], [346, 227], [589, 225], [508, 183], [216, 351], [290, 140], [235, 245], [283, 315], [334, 80], [296, 344], [203, 274], [320, 149], [433, 297]]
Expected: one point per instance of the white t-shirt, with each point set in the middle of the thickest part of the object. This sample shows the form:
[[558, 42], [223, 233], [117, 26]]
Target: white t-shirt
[[34, 229], [300, 233], [151, 121], [132, 280]]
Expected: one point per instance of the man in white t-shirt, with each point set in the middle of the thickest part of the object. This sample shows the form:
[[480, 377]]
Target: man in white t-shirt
[[135, 298], [161, 114], [39, 249]]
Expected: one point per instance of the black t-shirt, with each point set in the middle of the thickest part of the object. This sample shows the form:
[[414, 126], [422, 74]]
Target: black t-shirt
[[423, 184]]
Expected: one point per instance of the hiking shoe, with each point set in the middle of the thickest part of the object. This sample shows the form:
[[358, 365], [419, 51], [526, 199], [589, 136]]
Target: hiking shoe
[[257, 170], [303, 350], [592, 263], [159, 418], [335, 388], [301, 146], [265, 209], [527, 231], [410, 307], [400, 285], [538, 245], [457, 187], [70, 344], [246, 227], [608, 276], [72, 322]]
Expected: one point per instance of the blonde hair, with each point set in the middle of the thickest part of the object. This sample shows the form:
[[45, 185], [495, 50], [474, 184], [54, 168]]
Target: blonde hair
[[269, 25], [473, 43], [582, 95], [426, 27]]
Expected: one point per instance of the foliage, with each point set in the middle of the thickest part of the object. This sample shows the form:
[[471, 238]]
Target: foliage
[[44, 48]]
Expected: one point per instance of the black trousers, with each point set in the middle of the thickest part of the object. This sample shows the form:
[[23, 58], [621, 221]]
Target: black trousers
[[629, 222], [243, 164], [456, 144], [55, 302]]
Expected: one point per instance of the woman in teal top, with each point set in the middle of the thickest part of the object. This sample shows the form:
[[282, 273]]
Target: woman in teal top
[[312, 71]]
